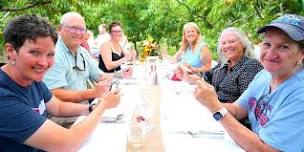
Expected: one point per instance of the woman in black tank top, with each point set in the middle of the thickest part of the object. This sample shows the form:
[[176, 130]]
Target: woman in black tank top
[[112, 55], [115, 57]]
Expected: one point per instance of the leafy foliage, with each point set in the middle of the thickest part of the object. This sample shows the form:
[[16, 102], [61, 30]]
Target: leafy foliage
[[160, 19]]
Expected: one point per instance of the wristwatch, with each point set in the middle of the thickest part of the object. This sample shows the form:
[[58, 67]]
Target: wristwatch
[[218, 115], [91, 107]]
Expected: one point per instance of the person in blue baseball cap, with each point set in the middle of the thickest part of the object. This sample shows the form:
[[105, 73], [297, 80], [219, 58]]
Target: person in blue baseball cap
[[274, 100], [292, 25]]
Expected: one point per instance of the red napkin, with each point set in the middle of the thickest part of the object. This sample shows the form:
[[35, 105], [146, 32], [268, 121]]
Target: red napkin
[[175, 78]]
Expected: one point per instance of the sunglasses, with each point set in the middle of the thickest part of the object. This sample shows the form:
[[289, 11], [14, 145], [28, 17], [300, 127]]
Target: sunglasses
[[77, 68]]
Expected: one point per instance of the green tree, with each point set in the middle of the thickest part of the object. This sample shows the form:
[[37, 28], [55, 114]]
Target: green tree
[[160, 19]]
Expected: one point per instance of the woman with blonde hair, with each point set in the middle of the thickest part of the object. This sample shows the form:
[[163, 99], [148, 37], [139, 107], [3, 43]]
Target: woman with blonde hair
[[193, 53]]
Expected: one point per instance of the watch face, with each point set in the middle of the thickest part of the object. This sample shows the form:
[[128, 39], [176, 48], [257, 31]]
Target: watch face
[[217, 116]]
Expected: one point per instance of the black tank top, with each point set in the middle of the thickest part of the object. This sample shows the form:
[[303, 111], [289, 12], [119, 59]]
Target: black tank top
[[115, 57]]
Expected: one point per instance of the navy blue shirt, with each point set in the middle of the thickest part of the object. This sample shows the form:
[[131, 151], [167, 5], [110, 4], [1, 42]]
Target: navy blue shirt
[[22, 112]]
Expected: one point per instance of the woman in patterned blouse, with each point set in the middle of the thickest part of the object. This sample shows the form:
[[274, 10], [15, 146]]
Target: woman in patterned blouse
[[236, 68]]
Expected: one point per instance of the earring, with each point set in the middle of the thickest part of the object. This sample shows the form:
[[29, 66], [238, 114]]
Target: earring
[[13, 62], [299, 63]]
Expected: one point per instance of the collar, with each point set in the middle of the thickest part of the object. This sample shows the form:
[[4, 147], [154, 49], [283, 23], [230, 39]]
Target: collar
[[237, 65], [63, 46]]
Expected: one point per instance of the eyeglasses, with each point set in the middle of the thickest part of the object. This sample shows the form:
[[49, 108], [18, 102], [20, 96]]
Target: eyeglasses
[[231, 41], [83, 61], [116, 31], [73, 29]]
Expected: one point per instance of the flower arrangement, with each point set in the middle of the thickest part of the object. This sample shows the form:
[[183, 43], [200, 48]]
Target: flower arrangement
[[150, 48]]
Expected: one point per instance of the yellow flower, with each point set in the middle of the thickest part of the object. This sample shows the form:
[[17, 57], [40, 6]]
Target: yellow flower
[[150, 48]]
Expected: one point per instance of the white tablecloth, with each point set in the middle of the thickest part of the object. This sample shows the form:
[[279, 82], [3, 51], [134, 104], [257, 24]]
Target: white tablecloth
[[180, 112]]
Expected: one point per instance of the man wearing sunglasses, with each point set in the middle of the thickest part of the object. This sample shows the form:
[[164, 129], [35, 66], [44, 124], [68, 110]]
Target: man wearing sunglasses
[[74, 67]]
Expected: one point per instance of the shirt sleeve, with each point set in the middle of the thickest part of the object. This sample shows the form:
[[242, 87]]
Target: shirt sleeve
[[46, 93], [243, 99], [209, 74], [56, 76], [18, 121]]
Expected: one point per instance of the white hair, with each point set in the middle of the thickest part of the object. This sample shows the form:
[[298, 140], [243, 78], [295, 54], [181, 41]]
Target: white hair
[[248, 46], [68, 15]]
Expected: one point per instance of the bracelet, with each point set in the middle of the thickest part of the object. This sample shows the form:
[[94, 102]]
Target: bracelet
[[91, 107]]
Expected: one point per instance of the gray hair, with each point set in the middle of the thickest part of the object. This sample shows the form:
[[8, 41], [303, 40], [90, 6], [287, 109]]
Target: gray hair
[[248, 51], [68, 15]]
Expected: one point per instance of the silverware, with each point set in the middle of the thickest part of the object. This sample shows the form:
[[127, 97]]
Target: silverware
[[204, 133], [117, 119]]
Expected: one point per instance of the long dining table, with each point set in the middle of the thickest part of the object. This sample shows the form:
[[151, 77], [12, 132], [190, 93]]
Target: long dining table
[[180, 123]]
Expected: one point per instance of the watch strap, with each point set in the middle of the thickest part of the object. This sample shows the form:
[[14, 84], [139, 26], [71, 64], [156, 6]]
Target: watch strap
[[91, 107]]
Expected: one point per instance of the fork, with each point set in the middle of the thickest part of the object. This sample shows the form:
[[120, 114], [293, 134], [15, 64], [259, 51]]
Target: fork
[[210, 134]]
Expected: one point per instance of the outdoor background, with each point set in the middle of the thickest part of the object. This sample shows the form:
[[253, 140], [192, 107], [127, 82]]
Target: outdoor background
[[161, 20]]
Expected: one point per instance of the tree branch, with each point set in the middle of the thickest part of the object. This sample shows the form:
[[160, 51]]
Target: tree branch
[[188, 7], [5, 15], [209, 24], [184, 4], [26, 7], [193, 14], [241, 19], [257, 9]]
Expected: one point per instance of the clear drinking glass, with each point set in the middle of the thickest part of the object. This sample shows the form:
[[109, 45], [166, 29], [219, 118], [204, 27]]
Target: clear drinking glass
[[136, 135], [145, 111]]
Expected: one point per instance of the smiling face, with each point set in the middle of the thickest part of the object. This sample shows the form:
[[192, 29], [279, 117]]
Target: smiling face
[[279, 53], [191, 34], [231, 46], [116, 33], [72, 31], [33, 59]]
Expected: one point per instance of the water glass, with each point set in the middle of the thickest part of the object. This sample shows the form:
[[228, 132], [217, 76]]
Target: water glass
[[136, 135]]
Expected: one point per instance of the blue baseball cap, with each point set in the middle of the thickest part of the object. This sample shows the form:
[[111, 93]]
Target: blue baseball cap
[[291, 24]]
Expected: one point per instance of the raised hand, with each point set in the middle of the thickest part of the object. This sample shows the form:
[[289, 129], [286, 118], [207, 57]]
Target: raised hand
[[193, 78], [129, 56], [103, 85], [127, 72], [179, 73], [111, 99], [206, 95]]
